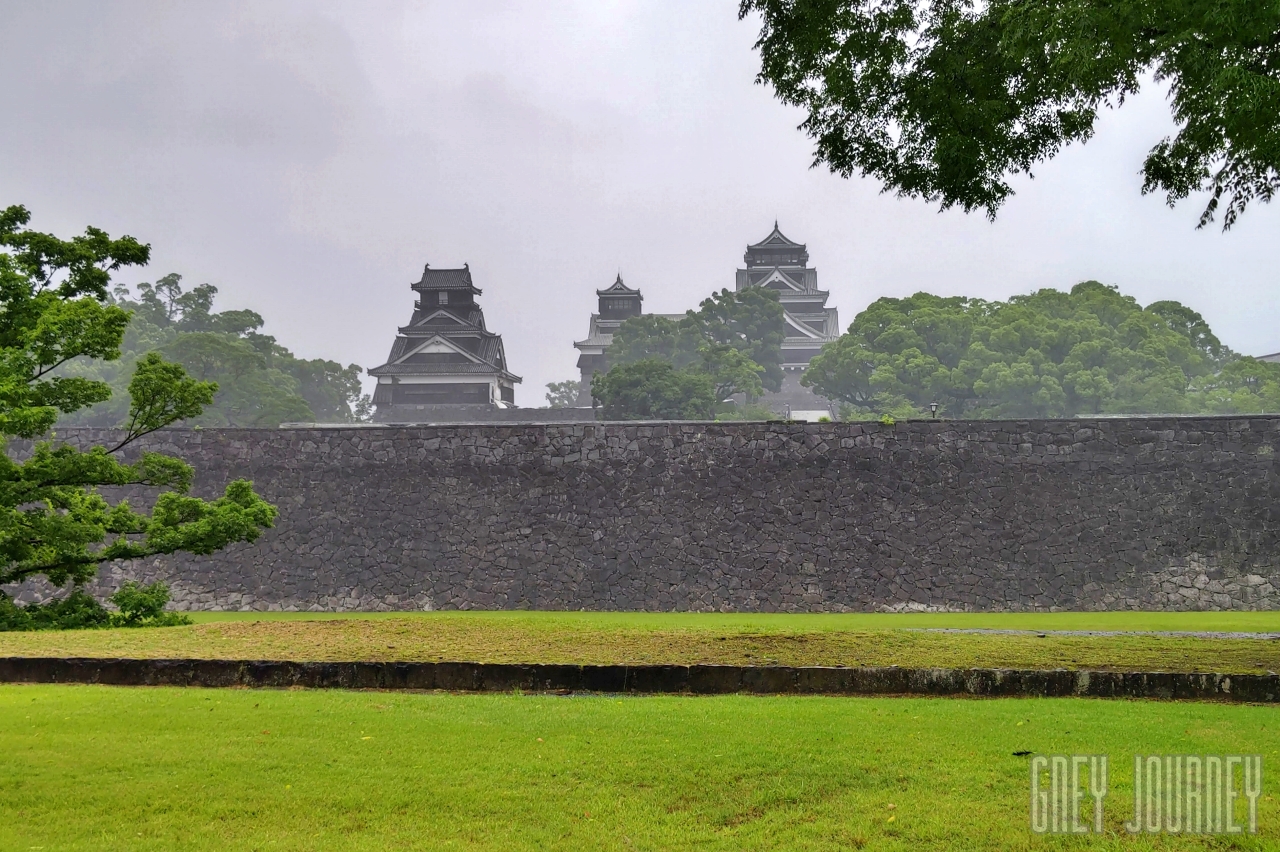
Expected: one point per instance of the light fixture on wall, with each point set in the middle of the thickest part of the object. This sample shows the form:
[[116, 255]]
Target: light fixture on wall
[[933, 409]]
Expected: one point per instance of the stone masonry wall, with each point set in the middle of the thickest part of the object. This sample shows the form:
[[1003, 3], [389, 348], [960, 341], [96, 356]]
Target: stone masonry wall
[[1172, 513]]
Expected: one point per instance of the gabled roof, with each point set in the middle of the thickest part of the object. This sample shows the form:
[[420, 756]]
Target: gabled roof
[[442, 317], [487, 357], [447, 319], [439, 343], [805, 331], [446, 279], [782, 278], [776, 239], [617, 288]]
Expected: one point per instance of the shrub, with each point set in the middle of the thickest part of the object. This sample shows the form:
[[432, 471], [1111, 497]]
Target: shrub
[[139, 606], [143, 606], [77, 611]]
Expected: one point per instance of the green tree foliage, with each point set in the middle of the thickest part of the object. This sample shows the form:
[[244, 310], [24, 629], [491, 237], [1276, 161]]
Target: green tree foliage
[[563, 394], [734, 340], [1048, 354], [143, 606], [751, 321], [653, 389], [1244, 386], [730, 370], [946, 99], [260, 383], [54, 521], [651, 336]]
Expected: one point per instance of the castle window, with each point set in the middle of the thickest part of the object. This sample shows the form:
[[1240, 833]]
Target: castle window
[[444, 297]]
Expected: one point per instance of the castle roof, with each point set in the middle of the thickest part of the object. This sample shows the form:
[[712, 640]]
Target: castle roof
[[463, 318], [446, 279], [776, 239], [446, 340], [617, 288]]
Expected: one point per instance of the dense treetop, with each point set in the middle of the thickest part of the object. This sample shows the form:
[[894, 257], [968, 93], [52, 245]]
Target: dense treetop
[[946, 99], [1048, 354], [654, 389], [731, 345]]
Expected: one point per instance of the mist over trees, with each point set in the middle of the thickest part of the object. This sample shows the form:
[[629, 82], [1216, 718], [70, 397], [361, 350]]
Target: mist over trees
[[688, 367], [563, 394], [260, 383], [1090, 351]]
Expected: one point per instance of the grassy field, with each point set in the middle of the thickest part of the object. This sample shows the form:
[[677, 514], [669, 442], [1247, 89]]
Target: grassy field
[[786, 622], [607, 638], [102, 768]]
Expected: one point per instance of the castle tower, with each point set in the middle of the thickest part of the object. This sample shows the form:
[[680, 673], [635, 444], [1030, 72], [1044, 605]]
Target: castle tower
[[444, 364], [782, 265], [618, 302]]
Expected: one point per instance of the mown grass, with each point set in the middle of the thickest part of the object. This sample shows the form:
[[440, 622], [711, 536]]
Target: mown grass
[[593, 640], [102, 768], [787, 622]]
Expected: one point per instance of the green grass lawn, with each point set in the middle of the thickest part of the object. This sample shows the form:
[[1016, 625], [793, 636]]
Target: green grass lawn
[[614, 638], [103, 768], [786, 622]]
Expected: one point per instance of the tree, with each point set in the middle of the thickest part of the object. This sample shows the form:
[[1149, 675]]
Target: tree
[[751, 321], [730, 371], [655, 336], [734, 340], [55, 307], [260, 382], [1243, 386], [652, 389], [946, 99], [1047, 354], [563, 394], [1190, 325]]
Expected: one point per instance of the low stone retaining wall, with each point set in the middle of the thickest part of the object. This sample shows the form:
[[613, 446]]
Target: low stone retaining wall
[[1107, 514], [695, 680]]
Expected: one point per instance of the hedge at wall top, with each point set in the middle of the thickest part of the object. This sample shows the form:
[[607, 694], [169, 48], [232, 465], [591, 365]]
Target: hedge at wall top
[[54, 522]]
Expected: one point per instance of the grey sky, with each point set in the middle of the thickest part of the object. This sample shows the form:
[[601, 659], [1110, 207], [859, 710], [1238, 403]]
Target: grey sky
[[307, 158]]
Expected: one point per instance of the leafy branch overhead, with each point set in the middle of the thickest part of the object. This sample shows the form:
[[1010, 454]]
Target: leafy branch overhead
[[55, 520], [947, 99]]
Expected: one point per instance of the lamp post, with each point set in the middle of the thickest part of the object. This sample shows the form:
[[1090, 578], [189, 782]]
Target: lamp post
[[933, 409]]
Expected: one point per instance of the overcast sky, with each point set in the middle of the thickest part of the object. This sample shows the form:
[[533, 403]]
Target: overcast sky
[[308, 158]]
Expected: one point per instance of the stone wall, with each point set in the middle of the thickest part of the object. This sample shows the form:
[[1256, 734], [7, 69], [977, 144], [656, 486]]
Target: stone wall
[[399, 415], [946, 515]]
